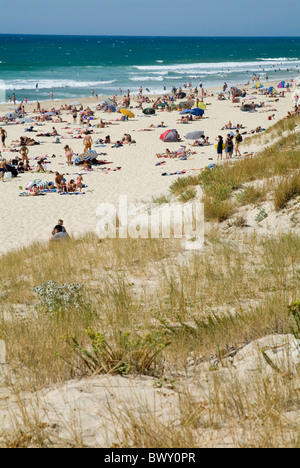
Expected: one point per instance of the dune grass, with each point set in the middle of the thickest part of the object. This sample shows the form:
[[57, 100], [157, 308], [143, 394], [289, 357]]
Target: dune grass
[[221, 183]]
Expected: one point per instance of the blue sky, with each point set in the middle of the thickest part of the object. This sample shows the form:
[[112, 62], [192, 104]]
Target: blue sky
[[152, 17]]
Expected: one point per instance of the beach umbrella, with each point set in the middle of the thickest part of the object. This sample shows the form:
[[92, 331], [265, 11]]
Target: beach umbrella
[[107, 101], [127, 113], [196, 111], [113, 109], [25, 120], [149, 111], [194, 135]]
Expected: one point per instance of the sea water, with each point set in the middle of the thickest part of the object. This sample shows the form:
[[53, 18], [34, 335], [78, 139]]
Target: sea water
[[74, 66]]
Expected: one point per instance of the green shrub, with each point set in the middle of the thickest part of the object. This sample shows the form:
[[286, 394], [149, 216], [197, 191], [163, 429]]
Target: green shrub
[[123, 356]]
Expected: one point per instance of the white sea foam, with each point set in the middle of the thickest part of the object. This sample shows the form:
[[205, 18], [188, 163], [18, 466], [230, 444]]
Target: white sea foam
[[235, 66], [146, 78], [51, 84]]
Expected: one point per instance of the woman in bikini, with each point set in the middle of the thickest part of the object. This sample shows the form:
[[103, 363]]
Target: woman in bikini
[[69, 154]]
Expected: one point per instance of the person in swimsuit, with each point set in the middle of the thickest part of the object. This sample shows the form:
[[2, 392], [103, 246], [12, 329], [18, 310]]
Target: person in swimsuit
[[24, 153], [3, 169], [87, 141], [69, 154], [79, 181], [3, 135]]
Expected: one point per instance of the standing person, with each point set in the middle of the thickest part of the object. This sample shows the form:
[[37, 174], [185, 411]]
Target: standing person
[[69, 154], [238, 139], [79, 181], [93, 93], [3, 135], [14, 98], [220, 141], [74, 116], [2, 169], [51, 95], [38, 107], [24, 153], [229, 146], [87, 141]]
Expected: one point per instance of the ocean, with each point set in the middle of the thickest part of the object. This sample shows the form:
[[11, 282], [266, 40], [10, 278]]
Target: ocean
[[73, 66]]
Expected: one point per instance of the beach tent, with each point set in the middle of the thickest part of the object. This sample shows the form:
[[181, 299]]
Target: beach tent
[[185, 111], [12, 115], [257, 85], [169, 136], [149, 111], [107, 101], [281, 85], [196, 111], [194, 135], [272, 90]]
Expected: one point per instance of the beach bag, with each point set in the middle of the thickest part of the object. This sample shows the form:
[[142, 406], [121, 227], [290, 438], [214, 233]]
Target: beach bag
[[7, 175], [240, 139]]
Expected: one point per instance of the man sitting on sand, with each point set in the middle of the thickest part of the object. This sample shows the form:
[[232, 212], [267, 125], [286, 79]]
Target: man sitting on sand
[[59, 233], [59, 182]]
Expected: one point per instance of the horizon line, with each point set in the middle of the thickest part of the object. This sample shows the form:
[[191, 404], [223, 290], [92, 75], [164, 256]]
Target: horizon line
[[148, 35]]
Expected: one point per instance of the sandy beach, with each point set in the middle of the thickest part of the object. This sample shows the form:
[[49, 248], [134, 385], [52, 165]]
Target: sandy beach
[[28, 219]]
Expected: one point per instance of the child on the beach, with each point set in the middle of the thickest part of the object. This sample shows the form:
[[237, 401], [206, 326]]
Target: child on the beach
[[79, 181]]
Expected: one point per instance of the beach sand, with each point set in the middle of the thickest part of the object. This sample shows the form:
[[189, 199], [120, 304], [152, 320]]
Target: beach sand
[[28, 219]]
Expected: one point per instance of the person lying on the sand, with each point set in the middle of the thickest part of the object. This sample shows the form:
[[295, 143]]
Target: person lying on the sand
[[35, 191], [227, 126], [49, 134], [103, 142], [256, 130], [167, 154], [203, 141]]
